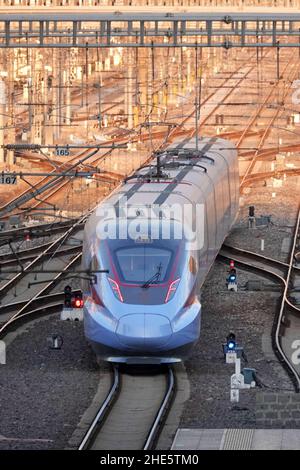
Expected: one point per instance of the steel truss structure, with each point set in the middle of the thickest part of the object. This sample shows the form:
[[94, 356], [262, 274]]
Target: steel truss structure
[[63, 28]]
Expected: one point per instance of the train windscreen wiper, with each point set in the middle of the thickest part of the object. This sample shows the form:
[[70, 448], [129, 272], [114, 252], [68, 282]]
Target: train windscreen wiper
[[154, 278]]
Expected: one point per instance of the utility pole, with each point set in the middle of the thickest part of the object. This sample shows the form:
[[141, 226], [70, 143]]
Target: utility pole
[[2, 117], [99, 66], [278, 60], [196, 98]]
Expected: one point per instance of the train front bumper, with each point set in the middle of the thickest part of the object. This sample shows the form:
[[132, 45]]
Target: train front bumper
[[143, 338]]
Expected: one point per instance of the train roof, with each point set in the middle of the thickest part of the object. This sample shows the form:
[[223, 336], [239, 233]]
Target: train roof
[[182, 171]]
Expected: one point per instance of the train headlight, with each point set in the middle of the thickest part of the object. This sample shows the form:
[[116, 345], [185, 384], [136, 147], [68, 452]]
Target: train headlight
[[172, 289], [116, 289]]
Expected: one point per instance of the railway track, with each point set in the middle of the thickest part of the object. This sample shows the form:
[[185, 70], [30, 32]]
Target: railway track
[[35, 231], [254, 177], [27, 309], [46, 186], [286, 331], [57, 255], [133, 412], [254, 260], [24, 256], [121, 411], [54, 249], [257, 154], [51, 187], [286, 326], [41, 302]]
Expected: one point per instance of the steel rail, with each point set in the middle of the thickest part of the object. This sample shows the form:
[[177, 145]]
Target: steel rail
[[162, 412], [54, 245], [237, 254], [285, 301], [40, 302], [43, 185], [36, 230], [44, 290], [179, 131], [273, 267], [13, 260], [253, 177], [115, 390], [22, 318], [102, 413], [265, 134]]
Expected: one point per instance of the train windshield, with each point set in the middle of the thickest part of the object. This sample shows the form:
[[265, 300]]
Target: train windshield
[[141, 264], [143, 270]]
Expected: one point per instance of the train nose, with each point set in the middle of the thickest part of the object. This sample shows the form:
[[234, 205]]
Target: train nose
[[144, 331]]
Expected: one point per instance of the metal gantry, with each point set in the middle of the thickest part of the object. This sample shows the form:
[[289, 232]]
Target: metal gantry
[[70, 27]]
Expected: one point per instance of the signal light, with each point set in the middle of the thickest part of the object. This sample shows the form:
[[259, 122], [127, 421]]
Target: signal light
[[78, 301], [251, 211], [68, 296], [232, 275], [172, 289], [27, 236], [116, 289], [231, 342]]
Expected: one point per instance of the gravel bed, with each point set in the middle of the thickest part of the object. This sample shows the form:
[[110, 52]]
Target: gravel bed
[[22, 245], [248, 314], [44, 392], [283, 211]]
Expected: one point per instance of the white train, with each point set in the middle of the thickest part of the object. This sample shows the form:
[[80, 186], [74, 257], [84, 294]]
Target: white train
[[158, 235]]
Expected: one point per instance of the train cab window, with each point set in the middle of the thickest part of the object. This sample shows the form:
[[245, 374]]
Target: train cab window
[[138, 264]]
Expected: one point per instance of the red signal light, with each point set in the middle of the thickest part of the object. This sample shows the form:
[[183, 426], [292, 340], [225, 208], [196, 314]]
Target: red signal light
[[78, 303]]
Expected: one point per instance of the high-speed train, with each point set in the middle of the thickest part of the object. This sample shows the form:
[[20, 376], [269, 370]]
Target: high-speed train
[[157, 236]]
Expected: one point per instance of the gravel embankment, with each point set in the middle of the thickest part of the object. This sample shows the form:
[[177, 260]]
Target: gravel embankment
[[44, 392], [248, 314]]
